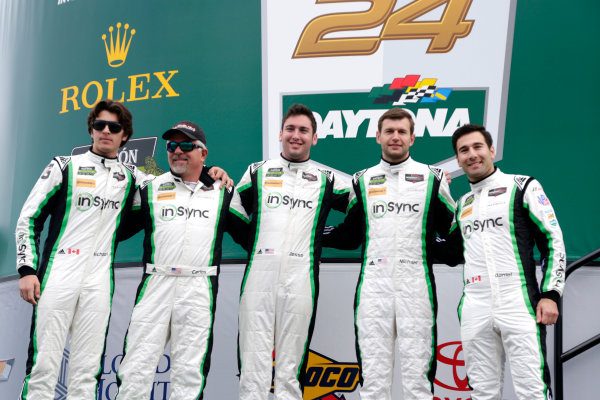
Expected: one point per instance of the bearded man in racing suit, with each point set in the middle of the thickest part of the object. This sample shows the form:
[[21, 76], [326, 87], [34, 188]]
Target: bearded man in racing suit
[[288, 199], [71, 283], [396, 208], [184, 215], [503, 309]]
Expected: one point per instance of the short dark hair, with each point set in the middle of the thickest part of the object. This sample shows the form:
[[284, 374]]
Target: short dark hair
[[470, 128], [396, 113], [300, 109], [115, 107]]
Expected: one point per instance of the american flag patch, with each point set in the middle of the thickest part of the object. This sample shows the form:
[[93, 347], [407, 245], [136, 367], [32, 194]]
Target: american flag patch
[[269, 251], [176, 271]]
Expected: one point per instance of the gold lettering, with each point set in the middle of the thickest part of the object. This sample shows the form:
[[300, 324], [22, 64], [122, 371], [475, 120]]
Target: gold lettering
[[111, 86], [165, 84], [135, 86], [66, 98], [84, 94]]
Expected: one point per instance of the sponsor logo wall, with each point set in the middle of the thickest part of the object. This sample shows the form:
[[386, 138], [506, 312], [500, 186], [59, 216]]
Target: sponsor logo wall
[[351, 62]]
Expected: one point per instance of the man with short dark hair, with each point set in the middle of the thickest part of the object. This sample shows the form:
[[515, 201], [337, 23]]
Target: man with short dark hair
[[396, 209], [71, 283], [288, 199], [503, 310], [184, 215]]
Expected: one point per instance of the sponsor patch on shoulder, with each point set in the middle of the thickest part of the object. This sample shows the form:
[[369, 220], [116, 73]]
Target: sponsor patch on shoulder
[[438, 172], [543, 200], [255, 166], [521, 180], [46, 172], [358, 175], [328, 174], [551, 217], [62, 161]]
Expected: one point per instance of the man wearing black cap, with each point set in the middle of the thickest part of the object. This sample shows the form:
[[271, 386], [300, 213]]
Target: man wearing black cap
[[184, 216]]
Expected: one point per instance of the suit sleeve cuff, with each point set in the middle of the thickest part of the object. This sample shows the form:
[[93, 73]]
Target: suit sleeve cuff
[[552, 295], [26, 270]]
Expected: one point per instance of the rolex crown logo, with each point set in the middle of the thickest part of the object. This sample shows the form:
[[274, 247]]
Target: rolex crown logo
[[116, 53]]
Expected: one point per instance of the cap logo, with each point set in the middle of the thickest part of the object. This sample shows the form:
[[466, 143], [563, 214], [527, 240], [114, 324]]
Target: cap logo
[[185, 127]]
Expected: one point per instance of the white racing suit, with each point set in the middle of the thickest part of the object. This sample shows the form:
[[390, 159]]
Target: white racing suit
[[498, 223], [395, 211], [289, 203], [176, 298], [85, 196]]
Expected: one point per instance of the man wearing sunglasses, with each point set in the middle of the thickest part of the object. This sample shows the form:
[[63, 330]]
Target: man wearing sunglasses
[[184, 216], [288, 198], [71, 283]]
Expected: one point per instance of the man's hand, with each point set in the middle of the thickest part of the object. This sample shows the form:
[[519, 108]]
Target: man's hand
[[546, 312], [448, 177], [219, 173], [29, 286]]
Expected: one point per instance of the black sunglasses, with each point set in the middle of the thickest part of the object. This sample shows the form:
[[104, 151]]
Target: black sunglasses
[[184, 146], [113, 127]]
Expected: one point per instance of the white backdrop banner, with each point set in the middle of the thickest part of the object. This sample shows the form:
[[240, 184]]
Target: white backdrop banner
[[332, 368]]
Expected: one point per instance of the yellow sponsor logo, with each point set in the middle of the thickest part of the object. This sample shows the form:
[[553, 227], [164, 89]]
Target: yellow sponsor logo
[[466, 212], [377, 191], [408, 22], [142, 86], [116, 53], [273, 183], [166, 196], [88, 183]]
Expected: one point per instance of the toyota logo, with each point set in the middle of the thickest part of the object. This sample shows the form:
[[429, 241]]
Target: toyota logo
[[448, 356]]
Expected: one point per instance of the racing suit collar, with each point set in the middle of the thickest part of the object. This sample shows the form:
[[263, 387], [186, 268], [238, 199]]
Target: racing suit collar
[[488, 180], [97, 158], [293, 164], [205, 178], [395, 167]]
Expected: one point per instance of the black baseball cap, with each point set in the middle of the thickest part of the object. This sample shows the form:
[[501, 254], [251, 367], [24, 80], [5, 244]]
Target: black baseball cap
[[189, 129]]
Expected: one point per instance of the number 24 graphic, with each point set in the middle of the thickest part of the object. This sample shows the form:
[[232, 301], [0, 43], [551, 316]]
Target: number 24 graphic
[[397, 25]]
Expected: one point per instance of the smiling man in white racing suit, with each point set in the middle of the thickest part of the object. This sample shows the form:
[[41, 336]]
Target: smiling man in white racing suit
[[71, 283], [288, 198], [184, 215], [503, 309], [396, 209]]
